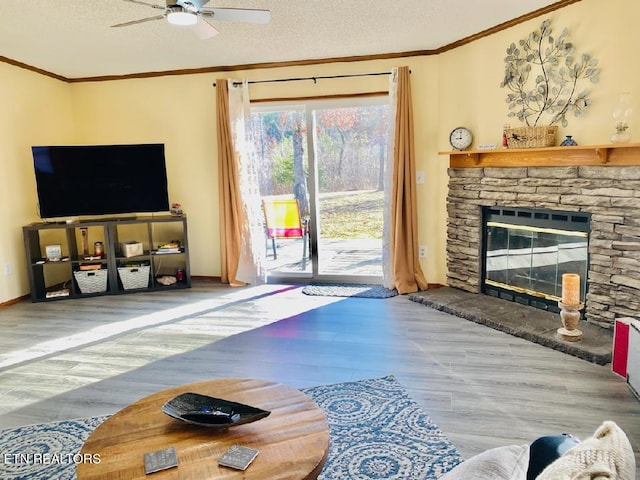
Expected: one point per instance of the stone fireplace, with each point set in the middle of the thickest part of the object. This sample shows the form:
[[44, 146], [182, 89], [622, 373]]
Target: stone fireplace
[[598, 183]]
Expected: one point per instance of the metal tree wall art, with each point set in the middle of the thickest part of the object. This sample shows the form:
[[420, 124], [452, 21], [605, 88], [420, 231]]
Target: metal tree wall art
[[543, 73]]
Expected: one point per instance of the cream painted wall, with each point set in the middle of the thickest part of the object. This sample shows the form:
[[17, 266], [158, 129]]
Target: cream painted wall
[[180, 112], [35, 110], [460, 87], [470, 76]]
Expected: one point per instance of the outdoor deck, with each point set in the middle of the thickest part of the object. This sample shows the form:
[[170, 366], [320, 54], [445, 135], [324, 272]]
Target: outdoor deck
[[340, 257]]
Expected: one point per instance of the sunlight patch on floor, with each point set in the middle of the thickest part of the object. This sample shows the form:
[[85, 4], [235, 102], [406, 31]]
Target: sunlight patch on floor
[[259, 294], [67, 363]]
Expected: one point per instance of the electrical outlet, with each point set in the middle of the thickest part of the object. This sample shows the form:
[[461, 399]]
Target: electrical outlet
[[422, 251], [419, 177], [8, 268]]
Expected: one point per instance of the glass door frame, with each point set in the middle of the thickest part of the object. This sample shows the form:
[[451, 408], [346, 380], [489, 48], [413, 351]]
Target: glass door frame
[[309, 106]]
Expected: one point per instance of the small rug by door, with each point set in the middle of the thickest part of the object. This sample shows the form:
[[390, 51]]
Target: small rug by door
[[377, 432], [349, 290]]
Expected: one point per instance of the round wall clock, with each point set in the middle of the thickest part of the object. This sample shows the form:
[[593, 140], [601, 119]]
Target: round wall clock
[[460, 138]]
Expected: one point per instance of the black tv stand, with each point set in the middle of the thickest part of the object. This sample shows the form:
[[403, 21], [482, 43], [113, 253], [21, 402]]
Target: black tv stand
[[51, 279]]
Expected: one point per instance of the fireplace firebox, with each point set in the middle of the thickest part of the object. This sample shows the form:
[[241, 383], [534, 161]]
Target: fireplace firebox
[[525, 252]]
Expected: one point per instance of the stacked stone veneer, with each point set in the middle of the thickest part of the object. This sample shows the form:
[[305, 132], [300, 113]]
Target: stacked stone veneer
[[610, 194]]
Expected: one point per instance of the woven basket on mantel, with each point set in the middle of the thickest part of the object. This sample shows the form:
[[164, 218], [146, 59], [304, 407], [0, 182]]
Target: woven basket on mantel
[[532, 137]]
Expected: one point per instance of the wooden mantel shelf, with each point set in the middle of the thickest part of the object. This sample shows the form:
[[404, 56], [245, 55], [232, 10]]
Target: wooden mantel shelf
[[625, 154]]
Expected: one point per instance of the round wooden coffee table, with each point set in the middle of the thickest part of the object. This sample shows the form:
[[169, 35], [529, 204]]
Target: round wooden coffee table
[[293, 440]]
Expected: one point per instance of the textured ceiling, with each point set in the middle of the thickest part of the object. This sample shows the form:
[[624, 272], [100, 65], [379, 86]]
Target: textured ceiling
[[73, 38]]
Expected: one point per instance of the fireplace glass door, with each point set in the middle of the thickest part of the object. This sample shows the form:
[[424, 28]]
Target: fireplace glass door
[[527, 260]]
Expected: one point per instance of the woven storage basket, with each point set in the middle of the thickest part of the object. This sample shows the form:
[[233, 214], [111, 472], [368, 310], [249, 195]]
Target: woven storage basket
[[134, 277], [532, 137], [91, 281]]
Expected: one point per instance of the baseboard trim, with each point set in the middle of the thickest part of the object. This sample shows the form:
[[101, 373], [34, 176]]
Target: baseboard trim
[[13, 301], [206, 278]]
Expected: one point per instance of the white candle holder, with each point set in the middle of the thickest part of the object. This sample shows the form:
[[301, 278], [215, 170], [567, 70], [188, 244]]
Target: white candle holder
[[570, 316]]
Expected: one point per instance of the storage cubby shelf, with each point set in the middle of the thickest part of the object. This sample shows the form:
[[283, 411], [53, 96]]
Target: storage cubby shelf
[[60, 279]]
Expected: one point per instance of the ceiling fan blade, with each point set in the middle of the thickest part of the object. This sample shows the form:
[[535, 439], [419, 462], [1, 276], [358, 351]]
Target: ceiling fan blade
[[247, 15], [192, 5], [142, 20], [204, 30], [152, 5]]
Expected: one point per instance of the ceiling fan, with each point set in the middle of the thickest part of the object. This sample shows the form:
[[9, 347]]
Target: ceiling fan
[[193, 13]]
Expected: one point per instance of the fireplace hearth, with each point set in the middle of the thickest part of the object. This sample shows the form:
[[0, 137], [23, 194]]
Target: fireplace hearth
[[532, 324]]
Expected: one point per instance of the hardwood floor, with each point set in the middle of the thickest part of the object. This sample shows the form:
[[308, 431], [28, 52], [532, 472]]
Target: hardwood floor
[[484, 388]]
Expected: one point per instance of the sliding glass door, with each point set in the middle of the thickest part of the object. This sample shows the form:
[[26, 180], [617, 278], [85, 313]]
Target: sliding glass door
[[281, 148], [350, 149], [330, 157]]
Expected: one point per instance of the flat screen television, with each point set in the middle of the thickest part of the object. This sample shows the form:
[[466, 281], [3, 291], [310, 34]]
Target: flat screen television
[[80, 180]]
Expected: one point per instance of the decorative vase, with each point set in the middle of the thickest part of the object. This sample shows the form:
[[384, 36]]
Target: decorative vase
[[570, 316], [569, 142], [621, 115]]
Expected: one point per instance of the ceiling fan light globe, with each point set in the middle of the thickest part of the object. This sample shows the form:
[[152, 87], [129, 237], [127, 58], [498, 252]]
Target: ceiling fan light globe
[[182, 18]]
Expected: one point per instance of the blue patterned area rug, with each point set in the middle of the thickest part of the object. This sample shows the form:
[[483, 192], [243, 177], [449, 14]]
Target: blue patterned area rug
[[349, 290], [377, 432]]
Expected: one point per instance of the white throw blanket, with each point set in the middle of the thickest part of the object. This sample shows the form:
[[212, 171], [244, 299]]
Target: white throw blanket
[[607, 455]]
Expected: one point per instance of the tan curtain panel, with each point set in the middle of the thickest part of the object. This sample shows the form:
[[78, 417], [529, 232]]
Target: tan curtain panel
[[407, 272], [228, 189]]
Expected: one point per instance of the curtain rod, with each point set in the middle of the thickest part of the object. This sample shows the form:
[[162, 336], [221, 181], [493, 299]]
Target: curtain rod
[[315, 79]]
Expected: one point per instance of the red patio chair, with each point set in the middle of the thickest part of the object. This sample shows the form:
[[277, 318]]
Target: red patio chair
[[282, 221]]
